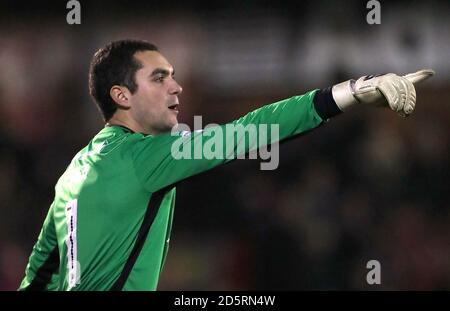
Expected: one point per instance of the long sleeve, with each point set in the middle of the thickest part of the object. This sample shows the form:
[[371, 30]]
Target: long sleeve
[[163, 160], [43, 265]]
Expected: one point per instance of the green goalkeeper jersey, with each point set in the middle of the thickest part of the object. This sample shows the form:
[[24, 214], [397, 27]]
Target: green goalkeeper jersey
[[109, 225]]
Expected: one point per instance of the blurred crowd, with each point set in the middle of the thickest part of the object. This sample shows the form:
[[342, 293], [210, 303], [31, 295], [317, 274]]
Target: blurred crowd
[[367, 185]]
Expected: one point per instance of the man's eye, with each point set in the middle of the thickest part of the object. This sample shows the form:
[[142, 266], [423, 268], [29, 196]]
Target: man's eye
[[159, 79]]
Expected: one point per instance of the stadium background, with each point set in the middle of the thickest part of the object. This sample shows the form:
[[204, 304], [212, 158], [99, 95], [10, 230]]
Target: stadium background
[[369, 185]]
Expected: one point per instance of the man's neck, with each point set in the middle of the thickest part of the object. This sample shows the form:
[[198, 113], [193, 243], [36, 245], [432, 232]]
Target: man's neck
[[122, 126], [130, 124]]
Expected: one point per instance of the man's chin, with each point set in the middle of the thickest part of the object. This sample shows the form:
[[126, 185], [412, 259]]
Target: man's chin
[[172, 126]]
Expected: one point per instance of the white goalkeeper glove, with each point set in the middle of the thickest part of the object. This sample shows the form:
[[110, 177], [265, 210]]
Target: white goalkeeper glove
[[396, 92]]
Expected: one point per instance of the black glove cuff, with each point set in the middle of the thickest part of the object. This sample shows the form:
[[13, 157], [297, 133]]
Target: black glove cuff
[[325, 105]]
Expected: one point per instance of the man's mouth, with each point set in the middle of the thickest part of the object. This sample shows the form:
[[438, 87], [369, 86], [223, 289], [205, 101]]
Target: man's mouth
[[174, 107]]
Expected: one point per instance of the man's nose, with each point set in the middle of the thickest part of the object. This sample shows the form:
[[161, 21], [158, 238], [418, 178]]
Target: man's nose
[[176, 88]]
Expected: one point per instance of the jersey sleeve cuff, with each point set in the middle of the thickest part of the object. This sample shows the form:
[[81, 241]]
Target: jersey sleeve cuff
[[325, 105]]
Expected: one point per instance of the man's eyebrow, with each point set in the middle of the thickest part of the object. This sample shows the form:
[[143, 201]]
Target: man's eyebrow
[[162, 71]]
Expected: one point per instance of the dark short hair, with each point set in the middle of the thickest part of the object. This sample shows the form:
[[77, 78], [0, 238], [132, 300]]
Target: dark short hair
[[115, 64]]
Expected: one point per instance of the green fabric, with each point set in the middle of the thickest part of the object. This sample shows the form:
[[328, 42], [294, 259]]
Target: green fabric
[[108, 186]]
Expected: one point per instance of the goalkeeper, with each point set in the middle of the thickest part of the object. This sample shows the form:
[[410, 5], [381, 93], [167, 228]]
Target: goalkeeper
[[109, 225]]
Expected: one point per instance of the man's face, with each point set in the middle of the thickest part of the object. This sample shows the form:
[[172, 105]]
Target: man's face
[[154, 105]]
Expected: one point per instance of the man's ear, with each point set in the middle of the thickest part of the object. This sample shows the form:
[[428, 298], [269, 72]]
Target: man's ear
[[120, 96]]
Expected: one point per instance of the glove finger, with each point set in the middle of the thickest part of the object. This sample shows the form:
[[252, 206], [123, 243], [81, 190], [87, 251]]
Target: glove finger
[[403, 90], [389, 91], [419, 76], [411, 98]]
